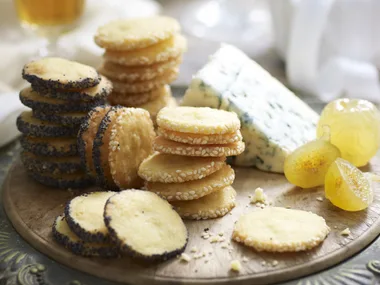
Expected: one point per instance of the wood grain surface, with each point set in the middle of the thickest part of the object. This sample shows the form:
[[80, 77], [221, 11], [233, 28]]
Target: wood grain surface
[[32, 208]]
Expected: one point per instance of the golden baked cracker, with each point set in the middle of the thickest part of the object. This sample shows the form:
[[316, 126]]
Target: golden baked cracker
[[145, 86], [138, 73], [51, 164], [59, 146], [198, 120], [167, 168], [129, 100], [194, 189], [97, 92], [199, 138], [30, 126], [215, 205], [277, 229], [62, 180], [100, 150], [29, 97], [136, 99], [67, 118], [130, 143], [164, 100], [214, 150], [60, 73], [136, 33], [86, 136], [161, 52]]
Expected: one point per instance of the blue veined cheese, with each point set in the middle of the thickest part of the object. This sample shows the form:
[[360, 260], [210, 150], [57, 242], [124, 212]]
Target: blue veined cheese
[[274, 120]]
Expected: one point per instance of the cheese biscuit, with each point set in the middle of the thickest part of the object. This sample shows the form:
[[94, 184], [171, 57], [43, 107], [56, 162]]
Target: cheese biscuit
[[194, 189], [136, 33], [280, 230], [167, 168]]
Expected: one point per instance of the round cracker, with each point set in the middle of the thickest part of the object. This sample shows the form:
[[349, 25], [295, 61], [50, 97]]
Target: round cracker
[[138, 73], [212, 206], [161, 52], [62, 180], [137, 99], [198, 120], [61, 146], [194, 189], [145, 86], [214, 150], [199, 138], [34, 100], [68, 119], [136, 33], [51, 164], [98, 92], [65, 236], [86, 136], [100, 149], [277, 229], [28, 125], [60, 73], [129, 100], [167, 168], [130, 143], [165, 99]]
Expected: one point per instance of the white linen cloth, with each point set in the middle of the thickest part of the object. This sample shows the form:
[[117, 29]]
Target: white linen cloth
[[331, 47], [16, 48]]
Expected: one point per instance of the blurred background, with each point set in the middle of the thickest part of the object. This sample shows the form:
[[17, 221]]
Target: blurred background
[[321, 48]]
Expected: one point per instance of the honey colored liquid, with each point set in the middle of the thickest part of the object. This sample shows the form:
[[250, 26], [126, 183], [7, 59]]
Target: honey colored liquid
[[45, 13]]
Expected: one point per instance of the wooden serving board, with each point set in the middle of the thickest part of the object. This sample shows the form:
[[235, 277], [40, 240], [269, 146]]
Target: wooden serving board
[[32, 208]]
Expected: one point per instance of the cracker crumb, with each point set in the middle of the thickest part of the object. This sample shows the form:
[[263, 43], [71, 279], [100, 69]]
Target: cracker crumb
[[345, 232], [221, 234], [274, 263], [245, 259], [335, 227], [259, 196], [199, 255], [184, 257], [194, 249], [235, 265], [215, 239], [205, 235], [224, 245], [320, 199], [263, 263]]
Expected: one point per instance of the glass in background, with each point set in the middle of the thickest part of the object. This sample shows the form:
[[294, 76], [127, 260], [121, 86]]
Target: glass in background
[[49, 19]]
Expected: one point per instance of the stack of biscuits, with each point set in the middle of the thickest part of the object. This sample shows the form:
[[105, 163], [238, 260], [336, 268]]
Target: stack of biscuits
[[60, 96], [189, 168], [112, 142], [142, 57]]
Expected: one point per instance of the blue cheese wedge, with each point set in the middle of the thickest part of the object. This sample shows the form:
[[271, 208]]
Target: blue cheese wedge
[[274, 121]]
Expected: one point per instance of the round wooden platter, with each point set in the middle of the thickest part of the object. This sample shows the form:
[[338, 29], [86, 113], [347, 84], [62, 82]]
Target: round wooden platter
[[32, 208]]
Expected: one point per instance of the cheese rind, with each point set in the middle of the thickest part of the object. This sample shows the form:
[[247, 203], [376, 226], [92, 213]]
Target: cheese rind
[[274, 121]]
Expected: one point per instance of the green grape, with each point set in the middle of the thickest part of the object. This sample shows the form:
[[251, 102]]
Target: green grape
[[347, 187], [306, 167], [354, 128]]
